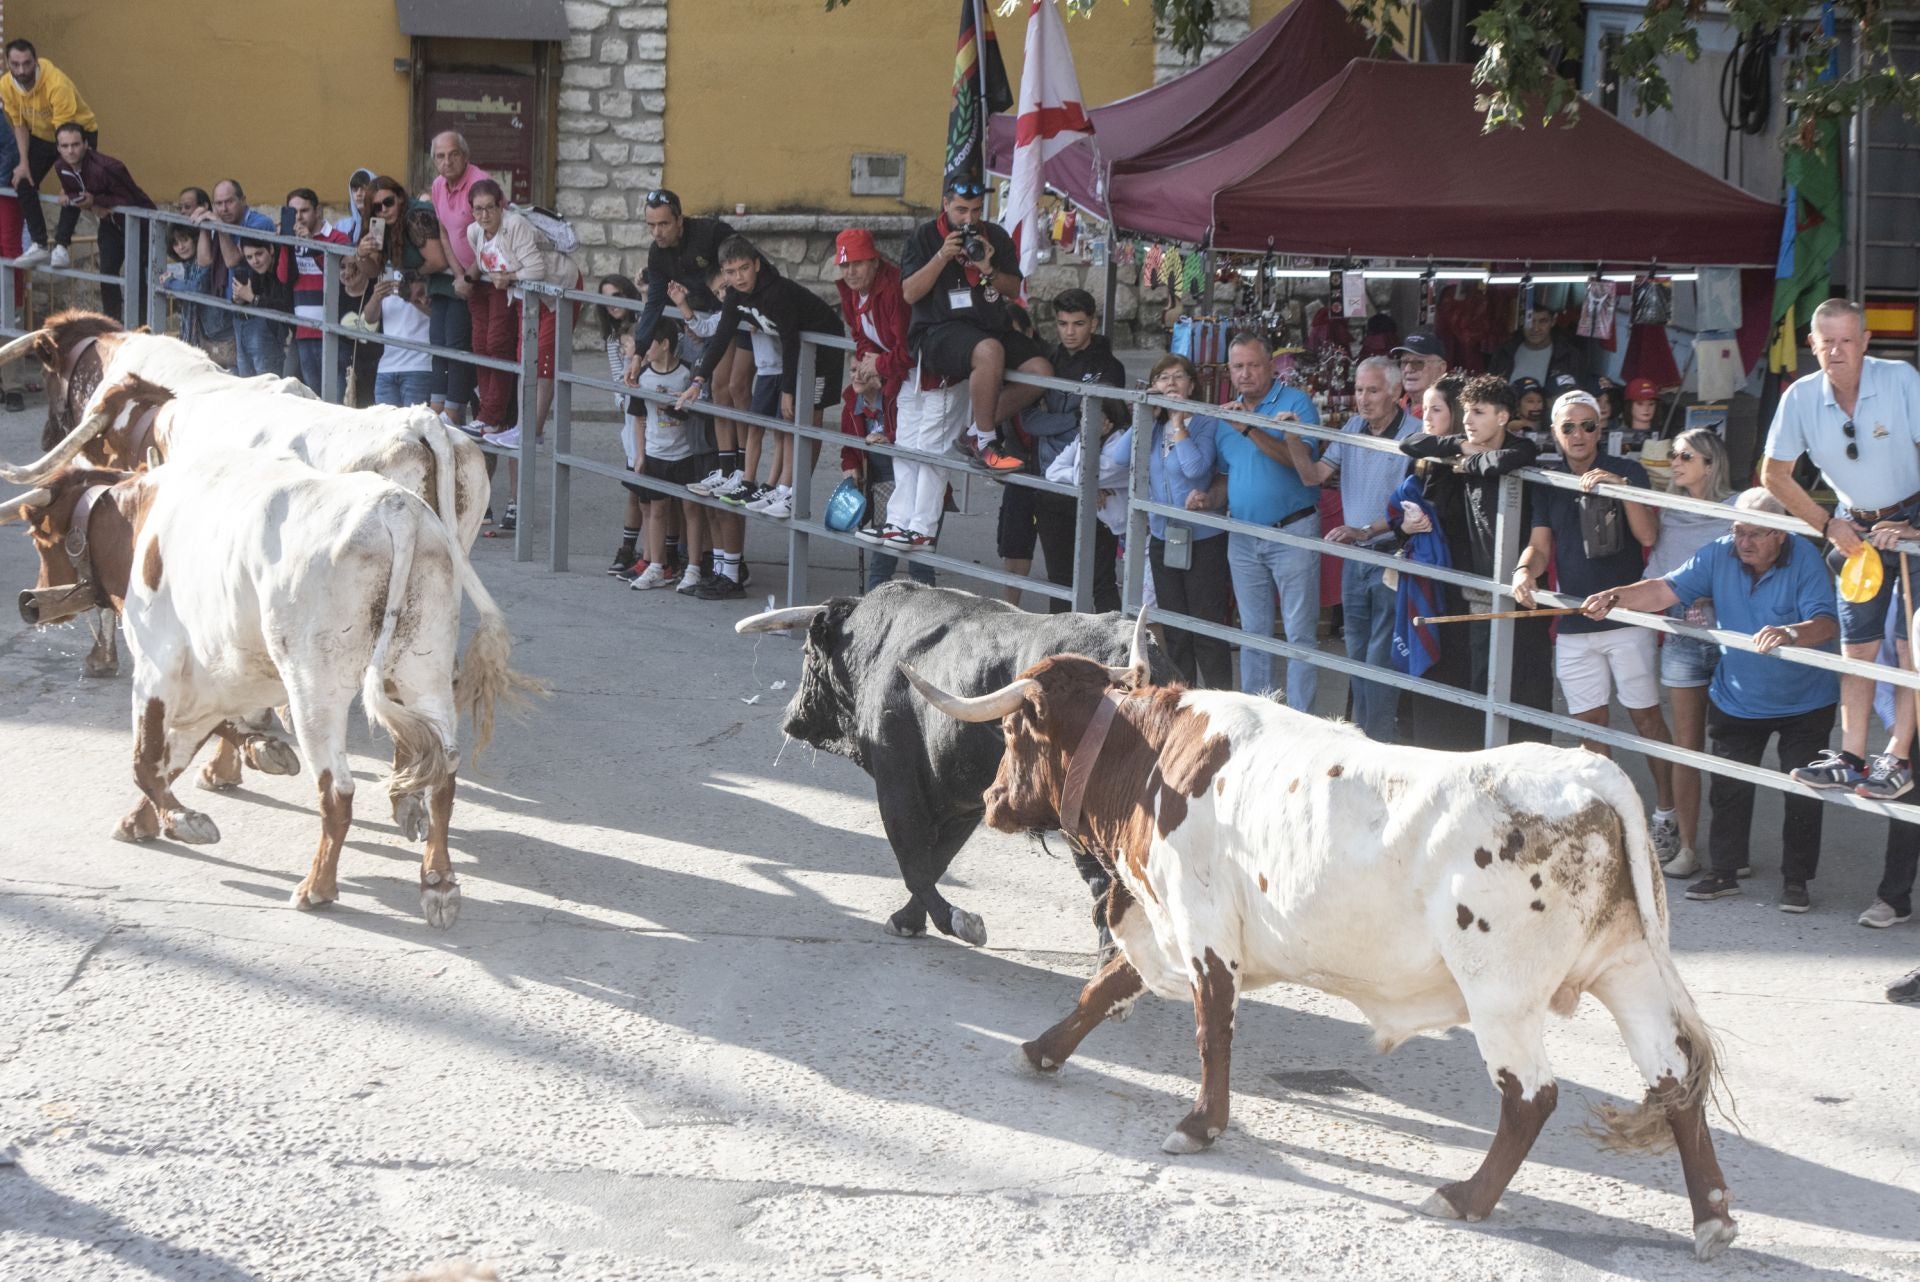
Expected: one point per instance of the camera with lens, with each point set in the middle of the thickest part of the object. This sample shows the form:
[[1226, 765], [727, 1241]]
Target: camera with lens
[[973, 244]]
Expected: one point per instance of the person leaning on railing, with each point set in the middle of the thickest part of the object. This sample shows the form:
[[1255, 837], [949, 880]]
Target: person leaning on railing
[[1774, 587], [1859, 420], [1188, 562], [39, 98], [99, 184]]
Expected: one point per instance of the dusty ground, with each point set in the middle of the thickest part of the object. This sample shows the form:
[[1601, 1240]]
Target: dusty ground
[[668, 1036]]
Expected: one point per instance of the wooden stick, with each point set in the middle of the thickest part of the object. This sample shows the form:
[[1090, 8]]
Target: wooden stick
[[1547, 613]]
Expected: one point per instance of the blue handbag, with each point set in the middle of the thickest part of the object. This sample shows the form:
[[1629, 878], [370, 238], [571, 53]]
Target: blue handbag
[[845, 506]]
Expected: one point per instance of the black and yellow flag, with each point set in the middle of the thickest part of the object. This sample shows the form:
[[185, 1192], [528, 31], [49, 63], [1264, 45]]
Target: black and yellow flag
[[975, 95]]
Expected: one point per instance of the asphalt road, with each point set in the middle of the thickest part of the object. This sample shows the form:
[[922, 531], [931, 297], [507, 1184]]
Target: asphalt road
[[669, 1038]]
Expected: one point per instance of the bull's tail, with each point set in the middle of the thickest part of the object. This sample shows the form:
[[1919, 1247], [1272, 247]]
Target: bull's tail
[[423, 744], [1644, 1127], [486, 680]]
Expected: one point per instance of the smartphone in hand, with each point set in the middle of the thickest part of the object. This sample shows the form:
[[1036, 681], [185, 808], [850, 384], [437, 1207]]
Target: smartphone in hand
[[377, 228]]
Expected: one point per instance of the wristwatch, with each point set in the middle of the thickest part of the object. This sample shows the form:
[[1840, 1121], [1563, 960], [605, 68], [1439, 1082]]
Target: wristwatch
[[1793, 633]]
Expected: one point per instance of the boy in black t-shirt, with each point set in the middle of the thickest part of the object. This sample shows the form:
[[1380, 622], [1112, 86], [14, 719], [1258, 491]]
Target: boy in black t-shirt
[[959, 286]]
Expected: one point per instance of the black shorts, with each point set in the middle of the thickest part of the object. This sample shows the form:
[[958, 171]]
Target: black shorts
[[828, 364], [947, 349], [680, 471], [1015, 537]]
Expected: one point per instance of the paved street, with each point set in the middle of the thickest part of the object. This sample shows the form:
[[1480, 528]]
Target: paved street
[[668, 1036]]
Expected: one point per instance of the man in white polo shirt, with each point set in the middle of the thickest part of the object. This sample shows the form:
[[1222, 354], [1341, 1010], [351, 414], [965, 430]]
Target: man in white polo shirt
[[1860, 423]]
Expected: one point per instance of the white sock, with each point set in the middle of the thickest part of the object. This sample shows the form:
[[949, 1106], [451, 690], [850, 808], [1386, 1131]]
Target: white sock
[[730, 565], [1659, 814]]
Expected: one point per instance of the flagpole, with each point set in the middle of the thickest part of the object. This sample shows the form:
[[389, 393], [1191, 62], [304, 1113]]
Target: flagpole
[[981, 130]]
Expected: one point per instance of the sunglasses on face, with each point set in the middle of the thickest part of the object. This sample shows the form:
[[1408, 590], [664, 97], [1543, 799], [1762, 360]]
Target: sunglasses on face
[[1853, 449], [389, 202], [1684, 456], [1590, 428]]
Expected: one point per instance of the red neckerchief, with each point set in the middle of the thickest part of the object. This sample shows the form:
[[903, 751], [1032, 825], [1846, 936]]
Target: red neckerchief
[[945, 229]]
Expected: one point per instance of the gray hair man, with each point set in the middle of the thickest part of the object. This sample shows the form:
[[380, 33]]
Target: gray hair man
[[1423, 360], [1775, 588], [1859, 421], [450, 293], [1367, 477]]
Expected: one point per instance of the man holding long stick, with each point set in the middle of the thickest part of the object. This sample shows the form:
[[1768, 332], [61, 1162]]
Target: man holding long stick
[[1860, 423]]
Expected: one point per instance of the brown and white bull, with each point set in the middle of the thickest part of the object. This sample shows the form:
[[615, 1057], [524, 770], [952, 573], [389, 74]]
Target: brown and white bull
[[79, 353], [1253, 845], [246, 582]]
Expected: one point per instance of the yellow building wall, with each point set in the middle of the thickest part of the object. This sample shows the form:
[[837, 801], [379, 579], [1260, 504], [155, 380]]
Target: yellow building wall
[[767, 100], [275, 93]]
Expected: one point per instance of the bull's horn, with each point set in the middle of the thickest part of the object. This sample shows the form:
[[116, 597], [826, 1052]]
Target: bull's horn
[[984, 707], [774, 620], [1136, 671], [60, 455], [19, 347], [12, 510]]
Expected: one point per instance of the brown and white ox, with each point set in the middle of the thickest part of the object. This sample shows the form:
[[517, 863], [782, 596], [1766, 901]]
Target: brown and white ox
[[79, 353], [249, 581], [133, 420], [1253, 845]]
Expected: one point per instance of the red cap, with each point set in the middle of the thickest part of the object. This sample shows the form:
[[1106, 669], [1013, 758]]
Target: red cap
[[854, 245], [1642, 389]]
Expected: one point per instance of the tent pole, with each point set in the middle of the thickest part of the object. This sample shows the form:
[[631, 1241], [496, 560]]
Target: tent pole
[[981, 132], [1111, 289]]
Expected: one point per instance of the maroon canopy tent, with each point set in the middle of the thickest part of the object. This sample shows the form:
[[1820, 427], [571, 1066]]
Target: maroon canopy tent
[[1201, 111], [1388, 159]]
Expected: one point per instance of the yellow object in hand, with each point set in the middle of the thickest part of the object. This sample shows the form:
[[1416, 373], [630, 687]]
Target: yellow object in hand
[[1861, 576]]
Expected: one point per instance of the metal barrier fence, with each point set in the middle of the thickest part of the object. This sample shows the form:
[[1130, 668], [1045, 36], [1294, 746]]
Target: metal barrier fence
[[1495, 705]]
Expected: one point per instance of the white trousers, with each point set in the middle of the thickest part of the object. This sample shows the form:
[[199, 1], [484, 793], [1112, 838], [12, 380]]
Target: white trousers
[[930, 422]]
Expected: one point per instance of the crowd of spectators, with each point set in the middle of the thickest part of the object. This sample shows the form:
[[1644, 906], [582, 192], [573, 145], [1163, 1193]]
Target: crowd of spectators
[[712, 321]]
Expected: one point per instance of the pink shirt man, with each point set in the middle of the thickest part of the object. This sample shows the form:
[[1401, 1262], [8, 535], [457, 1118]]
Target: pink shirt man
[[456, 215]]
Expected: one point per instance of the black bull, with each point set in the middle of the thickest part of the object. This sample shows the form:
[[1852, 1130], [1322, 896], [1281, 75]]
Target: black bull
[[930, 771]]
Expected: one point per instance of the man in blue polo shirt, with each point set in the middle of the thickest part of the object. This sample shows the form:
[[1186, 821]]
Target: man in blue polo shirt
[[1776, 587], [1264, 488], [1859, 420]]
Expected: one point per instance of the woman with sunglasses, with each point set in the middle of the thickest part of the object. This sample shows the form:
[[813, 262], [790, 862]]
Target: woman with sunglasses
[[401, 235], [1700, 471]]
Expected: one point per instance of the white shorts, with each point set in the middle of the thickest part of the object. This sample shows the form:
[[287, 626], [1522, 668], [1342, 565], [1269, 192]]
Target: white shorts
[[630, 437], [1591, 665]]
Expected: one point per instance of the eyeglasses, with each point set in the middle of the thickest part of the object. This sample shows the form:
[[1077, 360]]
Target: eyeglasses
[[968, 189], [1585, 425], [1853, 449]]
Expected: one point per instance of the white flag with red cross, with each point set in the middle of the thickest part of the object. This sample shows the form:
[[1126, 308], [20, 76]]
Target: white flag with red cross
[[1051, 117]]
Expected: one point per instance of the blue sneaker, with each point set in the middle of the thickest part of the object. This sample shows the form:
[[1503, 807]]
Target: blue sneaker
[[1831, 769], [1888, 777]]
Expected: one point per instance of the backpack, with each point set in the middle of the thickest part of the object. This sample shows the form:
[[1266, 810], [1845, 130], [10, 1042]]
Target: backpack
[[557, 231]]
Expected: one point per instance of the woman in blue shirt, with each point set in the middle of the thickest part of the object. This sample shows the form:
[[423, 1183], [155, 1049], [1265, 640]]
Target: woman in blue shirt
[[1191, 578]]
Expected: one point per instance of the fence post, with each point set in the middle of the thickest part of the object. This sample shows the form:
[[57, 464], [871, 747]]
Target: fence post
[[529, 417], [560, 492], [9, 301], [1507, 537], [154, 233], [1139, 532], [330, 390], [132, 254], [1086, 512], [806, 453]]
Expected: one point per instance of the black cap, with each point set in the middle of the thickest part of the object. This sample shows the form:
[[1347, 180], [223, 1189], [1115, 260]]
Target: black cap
[[1421, 342], [1521, 386], [1559, 383]]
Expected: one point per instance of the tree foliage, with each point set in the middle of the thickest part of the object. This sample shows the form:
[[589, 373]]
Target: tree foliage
[[1525, 47]]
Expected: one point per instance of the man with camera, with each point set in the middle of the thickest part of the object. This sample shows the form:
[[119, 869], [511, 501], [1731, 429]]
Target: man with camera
[[960, 274]]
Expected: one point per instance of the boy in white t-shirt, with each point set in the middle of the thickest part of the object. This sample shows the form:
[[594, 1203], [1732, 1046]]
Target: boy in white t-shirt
[[674, 449]]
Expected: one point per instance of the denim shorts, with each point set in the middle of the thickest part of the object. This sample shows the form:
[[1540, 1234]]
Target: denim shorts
[[1867, 621], [1685, 663]]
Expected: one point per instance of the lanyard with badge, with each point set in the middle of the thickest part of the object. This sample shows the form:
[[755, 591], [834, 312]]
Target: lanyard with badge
[[961, 300]]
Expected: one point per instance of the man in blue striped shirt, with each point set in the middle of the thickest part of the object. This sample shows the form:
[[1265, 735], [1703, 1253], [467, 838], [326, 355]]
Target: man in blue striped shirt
[[1367, 480]]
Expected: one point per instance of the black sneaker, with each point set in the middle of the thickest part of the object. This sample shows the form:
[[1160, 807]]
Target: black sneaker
[[746, 495], [15, 402], [1906, 988], [1713, 886], [1794, 898], [509, 522], [625, 557], [628, 573], [720, 588], [691, 586]]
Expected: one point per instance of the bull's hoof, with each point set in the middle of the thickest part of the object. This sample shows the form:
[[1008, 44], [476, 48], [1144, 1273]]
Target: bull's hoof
[[306, 898], [1439, 1207], [1028, 1060], [1710, 1237], [95, 666], [440, 905], [192, 827], [1180, 1142], [905, 932], [969, 927], [271, 756], [131, 829], [410, 815], [212, 779]]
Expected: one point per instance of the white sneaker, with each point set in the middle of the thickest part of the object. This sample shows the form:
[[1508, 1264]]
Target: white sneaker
[[691, 579], [655, 576], [766, 497], [1684, 864], [779, 504], [507, 438], [61, 258], [712, 481], [734, 486], [1882, 915], [32, 256]]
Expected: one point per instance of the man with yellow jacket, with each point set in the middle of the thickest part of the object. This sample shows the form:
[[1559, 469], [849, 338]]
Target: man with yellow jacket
[[39, 98]]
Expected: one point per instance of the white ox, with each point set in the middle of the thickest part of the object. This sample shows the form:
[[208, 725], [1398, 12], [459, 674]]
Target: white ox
[[80, 352], [1254, 845], [247, 582]]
